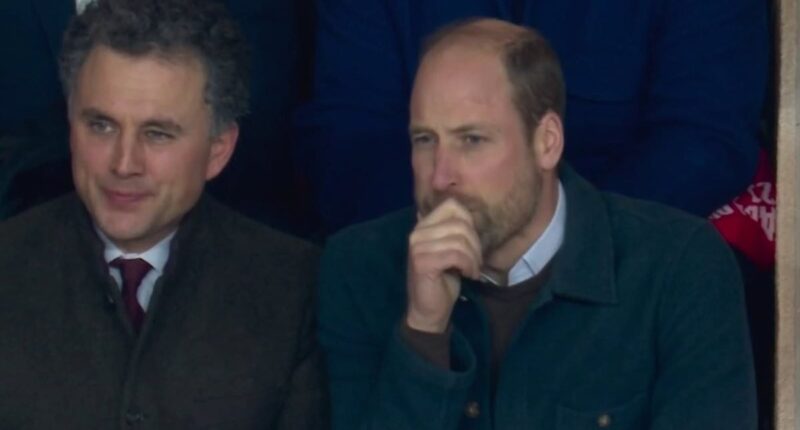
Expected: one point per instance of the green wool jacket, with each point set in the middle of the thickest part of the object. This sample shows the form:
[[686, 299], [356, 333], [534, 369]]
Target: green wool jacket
[[227, 342], [641, 325]]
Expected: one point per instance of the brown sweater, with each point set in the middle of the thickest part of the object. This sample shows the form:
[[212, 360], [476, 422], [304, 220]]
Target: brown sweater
[[505, 307]]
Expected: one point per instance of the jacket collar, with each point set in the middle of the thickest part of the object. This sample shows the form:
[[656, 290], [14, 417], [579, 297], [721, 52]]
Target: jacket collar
[[191, 227], [584, 267], [187, 255]]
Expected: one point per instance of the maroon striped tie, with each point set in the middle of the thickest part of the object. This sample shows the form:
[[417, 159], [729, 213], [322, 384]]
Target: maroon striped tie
[[133, 271]]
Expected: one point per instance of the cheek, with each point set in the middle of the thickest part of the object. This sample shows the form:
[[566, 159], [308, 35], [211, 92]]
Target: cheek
[[495, 180], [422, 168], [88, 158], [184, 170]]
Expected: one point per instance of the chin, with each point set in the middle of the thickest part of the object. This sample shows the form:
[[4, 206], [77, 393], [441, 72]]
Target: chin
[[118, 235], [117, 227]]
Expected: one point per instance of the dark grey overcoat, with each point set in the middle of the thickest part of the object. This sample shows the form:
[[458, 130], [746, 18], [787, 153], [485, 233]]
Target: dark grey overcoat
[[227, 342]]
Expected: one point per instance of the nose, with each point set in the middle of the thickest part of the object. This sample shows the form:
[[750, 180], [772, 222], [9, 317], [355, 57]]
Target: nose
[[128, 156], [445, 169]]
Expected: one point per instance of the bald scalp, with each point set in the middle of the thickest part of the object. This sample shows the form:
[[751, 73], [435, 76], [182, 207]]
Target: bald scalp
[[488, 34], [531, 65]]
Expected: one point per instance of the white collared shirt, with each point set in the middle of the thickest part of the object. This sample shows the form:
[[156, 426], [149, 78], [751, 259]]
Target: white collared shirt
[[80, 5], [156, 256], [545, 248]]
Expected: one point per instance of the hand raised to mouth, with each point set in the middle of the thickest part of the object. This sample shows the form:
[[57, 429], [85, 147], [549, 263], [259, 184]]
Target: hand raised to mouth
[[442, 248]]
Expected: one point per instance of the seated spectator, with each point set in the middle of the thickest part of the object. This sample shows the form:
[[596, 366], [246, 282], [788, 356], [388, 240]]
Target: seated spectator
[[515, 294], [138, 301]]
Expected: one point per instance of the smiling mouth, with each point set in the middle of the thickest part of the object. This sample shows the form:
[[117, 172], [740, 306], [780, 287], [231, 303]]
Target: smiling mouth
[[124, 198]]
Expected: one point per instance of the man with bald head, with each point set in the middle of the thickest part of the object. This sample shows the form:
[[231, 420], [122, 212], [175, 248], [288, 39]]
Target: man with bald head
[[515, 295]]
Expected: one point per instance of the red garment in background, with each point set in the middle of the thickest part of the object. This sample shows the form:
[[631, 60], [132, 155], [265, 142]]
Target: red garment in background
[[748, 222]]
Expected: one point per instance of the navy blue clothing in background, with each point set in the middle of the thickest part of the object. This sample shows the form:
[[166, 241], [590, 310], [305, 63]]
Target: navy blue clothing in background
[[30, 37], [34, 154], [664, 96]]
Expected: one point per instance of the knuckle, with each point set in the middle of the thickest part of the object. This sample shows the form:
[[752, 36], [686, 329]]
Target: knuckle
[[455, 256], [464, 224]]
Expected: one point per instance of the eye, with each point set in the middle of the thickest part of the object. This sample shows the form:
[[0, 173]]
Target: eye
[[100, 126], [421, 140], [158, 136], [473, 139]]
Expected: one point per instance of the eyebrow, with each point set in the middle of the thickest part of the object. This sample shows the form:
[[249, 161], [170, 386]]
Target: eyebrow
[[164, 124], [466, 128], [418, 129], [92, 113], [462, 129]]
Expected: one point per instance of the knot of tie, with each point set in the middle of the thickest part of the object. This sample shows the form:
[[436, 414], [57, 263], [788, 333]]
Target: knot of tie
[[133, 271]]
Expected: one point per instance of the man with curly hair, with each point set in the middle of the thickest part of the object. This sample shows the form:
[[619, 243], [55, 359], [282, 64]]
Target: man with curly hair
[[138, 301]]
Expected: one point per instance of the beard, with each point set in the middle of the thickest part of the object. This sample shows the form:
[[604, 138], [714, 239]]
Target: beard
[[498, 222]]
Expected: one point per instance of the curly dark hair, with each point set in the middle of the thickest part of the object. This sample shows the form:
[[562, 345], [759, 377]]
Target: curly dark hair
[[202, 28]]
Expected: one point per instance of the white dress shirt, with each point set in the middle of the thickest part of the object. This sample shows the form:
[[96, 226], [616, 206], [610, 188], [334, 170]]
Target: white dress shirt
[[156, 256], [545, 248]]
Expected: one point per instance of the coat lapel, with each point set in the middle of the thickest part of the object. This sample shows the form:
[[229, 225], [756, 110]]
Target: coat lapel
[[583, 269]]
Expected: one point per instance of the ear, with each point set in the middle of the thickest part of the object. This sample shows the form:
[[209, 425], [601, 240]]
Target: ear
[[548, 141], [222, 147]]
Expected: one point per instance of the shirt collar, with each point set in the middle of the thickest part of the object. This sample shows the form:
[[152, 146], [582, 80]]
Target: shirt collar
[[545, 247], [156, 256]]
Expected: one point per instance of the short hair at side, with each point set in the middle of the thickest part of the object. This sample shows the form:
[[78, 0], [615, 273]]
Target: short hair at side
[[201, 28], [531, 65]]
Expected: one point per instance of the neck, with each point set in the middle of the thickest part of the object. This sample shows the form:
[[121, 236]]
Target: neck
[[502, 259], [136, 246]]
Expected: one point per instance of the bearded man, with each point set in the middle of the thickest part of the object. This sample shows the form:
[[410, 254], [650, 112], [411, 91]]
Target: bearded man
[[515, 295]]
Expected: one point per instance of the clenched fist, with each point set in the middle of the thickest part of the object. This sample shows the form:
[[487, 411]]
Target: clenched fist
[[442, 248]]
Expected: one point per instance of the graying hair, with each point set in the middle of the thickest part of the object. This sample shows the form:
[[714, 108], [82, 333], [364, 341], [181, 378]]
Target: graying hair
[[168, 28]]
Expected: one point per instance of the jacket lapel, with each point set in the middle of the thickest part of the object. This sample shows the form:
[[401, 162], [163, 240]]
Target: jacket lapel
[[584, 267], [182, 276]]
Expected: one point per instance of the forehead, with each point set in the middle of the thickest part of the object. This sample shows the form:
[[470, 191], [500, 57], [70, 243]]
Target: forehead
[[460, 79], [116, 82]]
